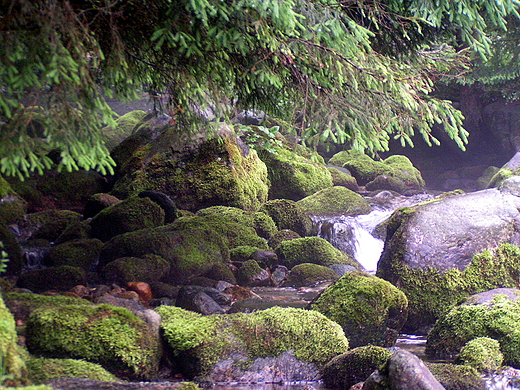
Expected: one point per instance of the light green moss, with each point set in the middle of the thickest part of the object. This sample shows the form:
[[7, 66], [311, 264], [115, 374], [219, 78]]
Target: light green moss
[[202, 341], [41, 370], [308, 274], [104, 334], [482, 353], [340, 178], [288, 214], [335, 201], [366, 307], [123, 128], [314, 250], [247, 272], [282, 235], [500, 176], [11, 360], [340, 158], [455, 377]]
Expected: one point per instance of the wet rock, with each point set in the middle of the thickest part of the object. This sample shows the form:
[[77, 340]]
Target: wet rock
[[279, 275], [204, 300], [251, 274], [142, 289]]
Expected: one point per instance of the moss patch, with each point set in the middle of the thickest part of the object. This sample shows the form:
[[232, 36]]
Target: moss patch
[[77, 253], [335, 201], [456, 377], [482, 353], [41, 370], [12, 360], [149, 268], [370, 309], [288, 214], [61, 278], [308, 274]]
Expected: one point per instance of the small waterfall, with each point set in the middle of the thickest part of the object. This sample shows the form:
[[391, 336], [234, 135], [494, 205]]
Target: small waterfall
[[34, 257], [357, 236]]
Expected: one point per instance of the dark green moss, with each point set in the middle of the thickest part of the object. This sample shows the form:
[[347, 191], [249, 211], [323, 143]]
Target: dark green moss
[[282, 235], [81, 253], [41, 370], [335, 201], [340, 178], [221, 271], [149, 268], [287, 214], [455, 377], [104, 334], [242, 253], [369, 309], [308, 274], [482, 353], [50, 224], [355, 366], [247, 272], [13, 250], [314, 250], [61, 278]]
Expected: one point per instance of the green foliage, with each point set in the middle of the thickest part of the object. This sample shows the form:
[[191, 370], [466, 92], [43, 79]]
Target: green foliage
[[4, 258], [356, 73]]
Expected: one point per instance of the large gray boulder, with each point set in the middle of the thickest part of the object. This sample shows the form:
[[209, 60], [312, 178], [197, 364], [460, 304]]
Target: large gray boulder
[[430, 250]]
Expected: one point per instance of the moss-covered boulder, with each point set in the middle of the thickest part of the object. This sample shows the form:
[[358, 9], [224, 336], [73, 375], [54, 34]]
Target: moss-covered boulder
[[190, 252], [234, 233], [195, 173], [13, 249], [81, 253], [335, 201], [340, 177], [13, 365], [482, 353], [149, 268], [60, 278], [123, 128], [23, 304], [498, 319], [369, 309], [441, 251], [294, 176], [111, 336], [348, 369], [202, 343], [12, 206], [129, 215], [282, 235], [263, 224], [313, 250], [287, 214], [251, 274], [50, 224], [457, 377], [41, 370], [308, 274], [97, 203], [396, 173]]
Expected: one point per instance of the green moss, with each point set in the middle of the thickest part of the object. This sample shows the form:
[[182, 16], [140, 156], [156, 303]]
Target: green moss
[[242, 253], [190, 252], [432, 293], [282, 235], [340, 178], [293, 176], [12, 207], [32, 387], [104, 334], [335, 201], [202, 341], [308, 274], [236, 234], [132, 214], [455, 377], [124, 126], [149, 268], [500, 176], [51, 223], [288, 214], [369, 309], [61, 278], [482, 353], [13, 250], [315, 250], [346, 370], [340, 158], [247, 272], [13, 366], [41, 370], [221, 271], [77, 253]]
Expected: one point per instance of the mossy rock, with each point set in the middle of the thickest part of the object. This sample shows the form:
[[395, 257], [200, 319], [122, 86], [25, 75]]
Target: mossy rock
[[122, 129], [482, 353], [287, 214], [263, 224], [251, 274], [196, 173], [13, 365], [484, 179], [200, 342], [339, 159], [500, 176], [315, 250], [190, 252], [41, 370], [13, 250], [149, 268], [12, 206], [59, 190], [111, 336], [335, 201], [132, 214], [23, 304], [50, 224], [61, 278], [341, 178], [235, 233], [221, 271], [369, 309], [308, 274], [97, 203], [457, 377], [293, 176], [282, 235], [81, 253], [348, 369], [242, 253], [498, 320]]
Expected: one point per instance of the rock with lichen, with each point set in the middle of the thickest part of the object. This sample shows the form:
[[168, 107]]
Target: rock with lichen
[[232, 346], [194, 173], [369, 309], [441, 251]]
